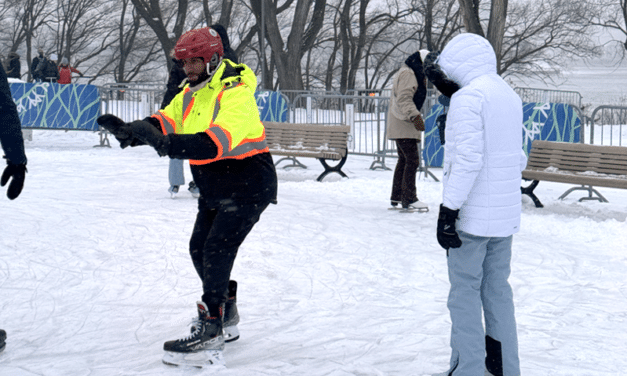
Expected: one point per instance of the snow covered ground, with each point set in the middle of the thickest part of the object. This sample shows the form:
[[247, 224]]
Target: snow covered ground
[[95, 275]]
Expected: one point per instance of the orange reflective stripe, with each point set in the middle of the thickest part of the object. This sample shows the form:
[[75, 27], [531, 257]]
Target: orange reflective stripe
[[222, 139], [168, 125]]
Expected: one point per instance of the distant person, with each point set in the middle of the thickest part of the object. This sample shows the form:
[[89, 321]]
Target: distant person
[[12, 143], [65, 72], [47, 69], [226, 43], [176, 175], [405, 126], [481, 206], [14, 67], [35, 63]]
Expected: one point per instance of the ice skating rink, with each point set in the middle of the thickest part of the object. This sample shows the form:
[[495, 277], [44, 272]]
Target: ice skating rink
[[95, 275]]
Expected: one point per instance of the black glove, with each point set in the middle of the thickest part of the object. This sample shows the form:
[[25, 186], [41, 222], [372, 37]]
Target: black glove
[[447, 235], [18, 173], [440, 121], [118, 128], [146, 132]]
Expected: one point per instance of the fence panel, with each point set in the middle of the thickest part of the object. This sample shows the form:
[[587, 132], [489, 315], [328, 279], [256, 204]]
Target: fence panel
[[608, 126], [130, 101], [528, 94]]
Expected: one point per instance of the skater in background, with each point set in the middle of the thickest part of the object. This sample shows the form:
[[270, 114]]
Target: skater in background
[[481, 205], [35, 63], [12, 143], [66, 70], [176, 81], [224, 139], [47, 69], [14, 67], [405, 126]]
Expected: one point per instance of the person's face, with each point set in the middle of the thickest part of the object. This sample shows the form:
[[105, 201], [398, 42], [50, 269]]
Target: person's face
[[195, 69]]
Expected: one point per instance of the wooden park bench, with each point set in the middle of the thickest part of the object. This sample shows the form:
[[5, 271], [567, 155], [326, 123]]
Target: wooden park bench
[[581, 164], [324, 142]]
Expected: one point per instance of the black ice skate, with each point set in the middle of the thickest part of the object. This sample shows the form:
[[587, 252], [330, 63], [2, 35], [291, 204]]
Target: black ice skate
[[203, 347], [231, 316], [3, 338]]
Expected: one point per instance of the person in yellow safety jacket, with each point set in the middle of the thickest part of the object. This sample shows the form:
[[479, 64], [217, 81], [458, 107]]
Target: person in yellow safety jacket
[[214, 122]]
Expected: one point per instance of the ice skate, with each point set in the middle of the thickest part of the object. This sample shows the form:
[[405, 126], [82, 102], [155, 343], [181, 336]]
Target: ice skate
[[204, 346], [193, 188], [414, 207], [174, 189], [231, 316], [3, 338], [396, 205]]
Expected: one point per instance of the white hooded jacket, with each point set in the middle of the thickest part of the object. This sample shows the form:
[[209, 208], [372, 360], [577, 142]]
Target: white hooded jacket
[[483, 156]]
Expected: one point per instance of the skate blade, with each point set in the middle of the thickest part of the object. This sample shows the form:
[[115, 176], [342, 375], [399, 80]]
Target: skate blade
[[201, 359], [231, 333], [417, 210]]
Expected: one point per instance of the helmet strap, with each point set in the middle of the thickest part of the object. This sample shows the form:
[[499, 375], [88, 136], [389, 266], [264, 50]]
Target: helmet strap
[[213, 65]]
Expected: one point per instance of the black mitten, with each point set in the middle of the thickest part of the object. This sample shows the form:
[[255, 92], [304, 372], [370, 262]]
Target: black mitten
[[18, 173], [146, 132], [118, 128], [446, 233]]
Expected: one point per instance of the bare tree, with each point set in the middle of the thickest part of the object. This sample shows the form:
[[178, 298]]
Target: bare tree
[[612, 15], [307, 20]]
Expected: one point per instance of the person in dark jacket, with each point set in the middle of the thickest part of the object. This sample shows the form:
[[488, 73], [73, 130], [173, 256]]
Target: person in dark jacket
[[47, 69], [14, 67], [35, 63], [12, 140], [12, 143], [225, 141]]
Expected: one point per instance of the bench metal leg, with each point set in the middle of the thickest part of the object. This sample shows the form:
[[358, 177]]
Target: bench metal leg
[[329, 169], [590, 191], [295, 162], [529, 192]]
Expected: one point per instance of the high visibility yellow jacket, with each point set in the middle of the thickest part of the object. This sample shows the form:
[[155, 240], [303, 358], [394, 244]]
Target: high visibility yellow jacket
[[225, 108], [217, 127]]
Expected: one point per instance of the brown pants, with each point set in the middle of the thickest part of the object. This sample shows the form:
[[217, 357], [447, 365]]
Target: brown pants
[[404, 183]]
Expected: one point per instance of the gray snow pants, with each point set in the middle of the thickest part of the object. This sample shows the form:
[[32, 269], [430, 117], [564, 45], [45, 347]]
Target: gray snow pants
[[478, 272]]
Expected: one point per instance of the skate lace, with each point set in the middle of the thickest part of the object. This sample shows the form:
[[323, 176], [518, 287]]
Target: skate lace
[[194, 333]]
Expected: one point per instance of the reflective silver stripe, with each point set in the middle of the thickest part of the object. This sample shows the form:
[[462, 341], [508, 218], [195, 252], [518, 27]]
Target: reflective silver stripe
[[238, 150], [246, 148], [166, 124], [187, 98], [216, 109]]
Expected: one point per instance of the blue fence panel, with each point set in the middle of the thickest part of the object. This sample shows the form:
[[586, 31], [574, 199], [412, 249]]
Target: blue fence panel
[[272, 106], [53, 106], [541, 121]]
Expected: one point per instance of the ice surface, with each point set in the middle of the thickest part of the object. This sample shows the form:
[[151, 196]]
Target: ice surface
[[95, 274]]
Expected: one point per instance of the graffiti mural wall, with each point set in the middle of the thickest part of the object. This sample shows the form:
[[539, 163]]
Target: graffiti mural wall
[[46, 105], [541, 121]]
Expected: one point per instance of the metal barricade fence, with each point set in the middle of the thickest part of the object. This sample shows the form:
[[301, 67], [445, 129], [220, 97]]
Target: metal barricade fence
[[608, 126], [366, 115], [131, 101], [528, 94]]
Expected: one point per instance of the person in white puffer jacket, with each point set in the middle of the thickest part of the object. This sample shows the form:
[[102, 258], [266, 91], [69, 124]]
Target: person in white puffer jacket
[[481, 207]]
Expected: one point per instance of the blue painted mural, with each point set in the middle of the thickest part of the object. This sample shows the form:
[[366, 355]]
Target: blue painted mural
[[272, 106], [541, 121], [46, 105]]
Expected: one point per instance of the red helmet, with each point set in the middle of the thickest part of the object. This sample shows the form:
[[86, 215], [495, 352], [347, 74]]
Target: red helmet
[[203, 43]]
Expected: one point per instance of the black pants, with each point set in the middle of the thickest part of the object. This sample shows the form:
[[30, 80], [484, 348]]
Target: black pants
[[216, 238], [404, 183]]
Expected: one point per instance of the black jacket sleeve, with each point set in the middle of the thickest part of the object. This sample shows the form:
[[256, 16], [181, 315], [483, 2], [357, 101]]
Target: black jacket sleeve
[[10, 127], [187, 146]]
